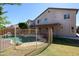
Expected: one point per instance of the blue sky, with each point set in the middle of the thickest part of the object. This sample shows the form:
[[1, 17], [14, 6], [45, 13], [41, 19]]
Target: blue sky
[[27, 11]]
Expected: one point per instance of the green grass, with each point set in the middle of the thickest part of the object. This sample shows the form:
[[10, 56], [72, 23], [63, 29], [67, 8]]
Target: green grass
[[59, 47], [62, 47], [60, 50], [39, 50]]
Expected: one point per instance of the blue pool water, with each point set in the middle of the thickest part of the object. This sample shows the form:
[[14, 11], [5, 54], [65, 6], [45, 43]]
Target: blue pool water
[[21, 39], [17, 39]]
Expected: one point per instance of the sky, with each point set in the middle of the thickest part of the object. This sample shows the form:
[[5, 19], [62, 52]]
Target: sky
[[25, 11]]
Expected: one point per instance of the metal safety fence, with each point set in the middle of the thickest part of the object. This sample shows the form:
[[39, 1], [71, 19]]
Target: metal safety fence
[[21, 41]]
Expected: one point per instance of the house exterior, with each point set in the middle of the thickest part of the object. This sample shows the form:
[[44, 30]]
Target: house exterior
[[61, 20], [13, 26], [30, 23]]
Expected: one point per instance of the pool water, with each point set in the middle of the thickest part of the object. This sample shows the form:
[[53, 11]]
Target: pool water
[[21, 39], [27, 39], [17, 39]]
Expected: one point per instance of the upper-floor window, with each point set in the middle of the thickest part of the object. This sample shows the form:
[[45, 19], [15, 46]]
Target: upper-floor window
[[45, 20], [38, 21], [66, 16]]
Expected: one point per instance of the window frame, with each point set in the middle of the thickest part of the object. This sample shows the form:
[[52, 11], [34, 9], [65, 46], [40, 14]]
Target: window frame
[[38, 21], [45, 20], [67, 16]]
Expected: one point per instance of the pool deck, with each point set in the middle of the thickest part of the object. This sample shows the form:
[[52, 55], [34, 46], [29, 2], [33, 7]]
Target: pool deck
[[29, 45], [4, 44], [7, 43]]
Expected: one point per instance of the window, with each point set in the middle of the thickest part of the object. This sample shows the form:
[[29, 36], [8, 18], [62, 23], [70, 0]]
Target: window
[[45, 20], [38, 21], [67, 16]]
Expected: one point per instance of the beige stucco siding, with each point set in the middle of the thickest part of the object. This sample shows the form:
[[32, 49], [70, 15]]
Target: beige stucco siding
[[57, 16]]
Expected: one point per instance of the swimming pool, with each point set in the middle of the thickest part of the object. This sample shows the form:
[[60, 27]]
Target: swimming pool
[[22, 39]]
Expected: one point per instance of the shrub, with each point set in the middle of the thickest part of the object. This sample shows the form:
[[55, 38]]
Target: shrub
[[23, 25]]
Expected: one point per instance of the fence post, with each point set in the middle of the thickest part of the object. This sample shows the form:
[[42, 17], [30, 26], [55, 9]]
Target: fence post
[[15, 37], [28, 31], [36, 36]]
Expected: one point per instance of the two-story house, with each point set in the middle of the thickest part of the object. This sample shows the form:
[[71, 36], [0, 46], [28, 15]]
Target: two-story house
[[60, 21]]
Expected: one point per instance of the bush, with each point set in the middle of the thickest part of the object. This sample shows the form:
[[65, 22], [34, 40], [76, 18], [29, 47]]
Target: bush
[[23, 25]]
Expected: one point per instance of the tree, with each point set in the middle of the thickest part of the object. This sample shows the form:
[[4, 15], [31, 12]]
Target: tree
[[23, 25], [10, 3], [3, 20]]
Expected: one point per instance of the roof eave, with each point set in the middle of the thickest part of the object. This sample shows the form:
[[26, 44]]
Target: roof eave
[[57, 8]]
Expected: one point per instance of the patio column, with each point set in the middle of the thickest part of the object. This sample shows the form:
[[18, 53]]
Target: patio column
[[50, 35]]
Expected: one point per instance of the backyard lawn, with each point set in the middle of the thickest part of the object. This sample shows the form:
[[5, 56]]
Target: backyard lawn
[[62, 47], [60, 50], [59, 47]]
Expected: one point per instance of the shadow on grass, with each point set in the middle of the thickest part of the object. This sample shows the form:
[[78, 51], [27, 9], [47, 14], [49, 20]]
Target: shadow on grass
[[66, 41], [37, 51]]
